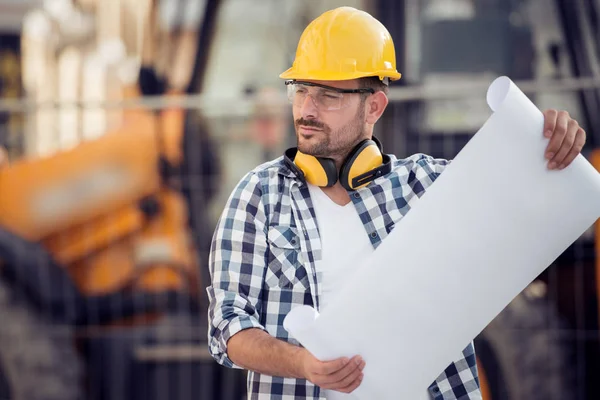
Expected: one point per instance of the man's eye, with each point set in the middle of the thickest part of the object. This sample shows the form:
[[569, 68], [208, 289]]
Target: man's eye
[[331, 95]]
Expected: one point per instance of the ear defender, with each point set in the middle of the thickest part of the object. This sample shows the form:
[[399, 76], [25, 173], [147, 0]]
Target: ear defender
[[363, 164], [319, 171], [360, 165]]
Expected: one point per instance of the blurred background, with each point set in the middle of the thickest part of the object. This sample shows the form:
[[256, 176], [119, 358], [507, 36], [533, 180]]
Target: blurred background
[[125, 124]]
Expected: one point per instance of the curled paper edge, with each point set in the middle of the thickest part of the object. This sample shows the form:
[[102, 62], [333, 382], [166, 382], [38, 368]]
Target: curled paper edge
[[498, 92]]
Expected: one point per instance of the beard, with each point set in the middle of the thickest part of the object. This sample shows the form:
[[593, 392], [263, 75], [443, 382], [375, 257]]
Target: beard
[[328, 143]]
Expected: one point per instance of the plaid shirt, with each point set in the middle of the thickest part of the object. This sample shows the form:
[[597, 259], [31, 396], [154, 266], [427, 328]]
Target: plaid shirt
[[262, 263]]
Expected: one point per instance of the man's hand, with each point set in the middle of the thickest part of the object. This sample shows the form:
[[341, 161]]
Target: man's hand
[[566, 138], [342, 375]]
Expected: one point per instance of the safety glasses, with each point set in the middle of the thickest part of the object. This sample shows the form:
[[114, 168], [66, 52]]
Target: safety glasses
[[325, 98]]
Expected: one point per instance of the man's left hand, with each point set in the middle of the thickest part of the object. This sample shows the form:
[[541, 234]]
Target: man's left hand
[[566, 138]]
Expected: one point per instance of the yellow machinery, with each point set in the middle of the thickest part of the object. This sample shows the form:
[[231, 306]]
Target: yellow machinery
[[100, 242], [105, 209], [98, 238]]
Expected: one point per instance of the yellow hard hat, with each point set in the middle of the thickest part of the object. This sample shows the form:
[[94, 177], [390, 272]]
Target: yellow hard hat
[[341, 44]]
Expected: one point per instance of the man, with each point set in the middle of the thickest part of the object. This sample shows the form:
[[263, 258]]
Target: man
[[296, 228]]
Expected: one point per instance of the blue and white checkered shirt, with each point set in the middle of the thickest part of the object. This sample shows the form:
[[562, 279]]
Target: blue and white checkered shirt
[[262, 263]]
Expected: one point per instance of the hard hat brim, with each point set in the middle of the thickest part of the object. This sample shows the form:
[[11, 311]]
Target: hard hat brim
[[291, 73]]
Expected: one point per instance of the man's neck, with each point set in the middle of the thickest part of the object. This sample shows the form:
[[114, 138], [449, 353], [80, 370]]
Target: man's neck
[[337, 194]]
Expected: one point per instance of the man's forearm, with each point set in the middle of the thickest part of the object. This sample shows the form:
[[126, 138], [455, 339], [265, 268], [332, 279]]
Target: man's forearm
[[256, 350]]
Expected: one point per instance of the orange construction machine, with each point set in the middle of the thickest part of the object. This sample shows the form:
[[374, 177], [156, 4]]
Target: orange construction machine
[[107, 211], [104, 240], [93, 239]]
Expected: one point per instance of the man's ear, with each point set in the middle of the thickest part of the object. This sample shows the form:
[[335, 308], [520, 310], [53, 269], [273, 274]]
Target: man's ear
[[376, 104]]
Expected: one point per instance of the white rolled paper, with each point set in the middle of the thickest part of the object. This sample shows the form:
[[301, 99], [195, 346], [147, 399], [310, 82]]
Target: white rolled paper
[[485, 229]]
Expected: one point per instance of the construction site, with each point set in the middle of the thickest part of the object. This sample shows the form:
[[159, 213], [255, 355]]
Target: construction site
[[125, 126]]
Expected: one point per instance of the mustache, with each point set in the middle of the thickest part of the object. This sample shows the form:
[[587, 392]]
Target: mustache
[[309, 123]]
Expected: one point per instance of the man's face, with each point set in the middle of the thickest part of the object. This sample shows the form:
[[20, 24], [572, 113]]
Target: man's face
[[329, 133]]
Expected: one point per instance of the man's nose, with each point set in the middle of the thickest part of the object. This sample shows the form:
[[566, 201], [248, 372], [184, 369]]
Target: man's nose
[[309, 108]]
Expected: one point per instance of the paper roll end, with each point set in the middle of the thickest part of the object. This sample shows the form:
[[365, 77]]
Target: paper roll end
[[299, 318], [498, 91]]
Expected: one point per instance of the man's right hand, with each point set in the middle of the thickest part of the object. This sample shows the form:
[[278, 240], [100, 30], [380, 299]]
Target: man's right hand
[[342, 375]]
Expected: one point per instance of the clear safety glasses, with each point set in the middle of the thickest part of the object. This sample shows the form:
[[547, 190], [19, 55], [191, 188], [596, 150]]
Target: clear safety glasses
[[325, 98]]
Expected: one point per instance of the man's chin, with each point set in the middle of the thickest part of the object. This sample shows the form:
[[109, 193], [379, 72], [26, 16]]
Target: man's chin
[[308, 150], [311, 146]]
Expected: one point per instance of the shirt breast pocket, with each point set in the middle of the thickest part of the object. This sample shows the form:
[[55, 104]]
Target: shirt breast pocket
[[284, 270]]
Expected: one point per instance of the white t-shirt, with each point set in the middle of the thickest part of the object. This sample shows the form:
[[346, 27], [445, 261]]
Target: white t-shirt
[[345, 246], [344, 243]]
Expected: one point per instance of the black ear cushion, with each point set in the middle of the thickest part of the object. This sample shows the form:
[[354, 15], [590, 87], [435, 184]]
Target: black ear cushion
[[330, 169], [288, 158], [378, 143], [347, 164]]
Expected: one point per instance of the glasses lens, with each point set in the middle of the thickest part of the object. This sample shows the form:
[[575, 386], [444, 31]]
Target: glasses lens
[[324, 99], [291, 92], [297, 93], [328, 99]]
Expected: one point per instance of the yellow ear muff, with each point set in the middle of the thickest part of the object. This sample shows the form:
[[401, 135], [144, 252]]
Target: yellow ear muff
[[364, 164], [364, 158], [318, 171]]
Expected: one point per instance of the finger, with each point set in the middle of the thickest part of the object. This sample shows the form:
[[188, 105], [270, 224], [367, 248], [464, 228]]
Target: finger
[[549, 122], [341, 374], [566, 145], [350, 378], [351, 371], [330, 367], [353, 386], [560, 130], [575, 150]]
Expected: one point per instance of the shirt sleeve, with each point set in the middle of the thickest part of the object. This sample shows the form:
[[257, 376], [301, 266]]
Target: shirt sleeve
[[236, 264], [426, 170]]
